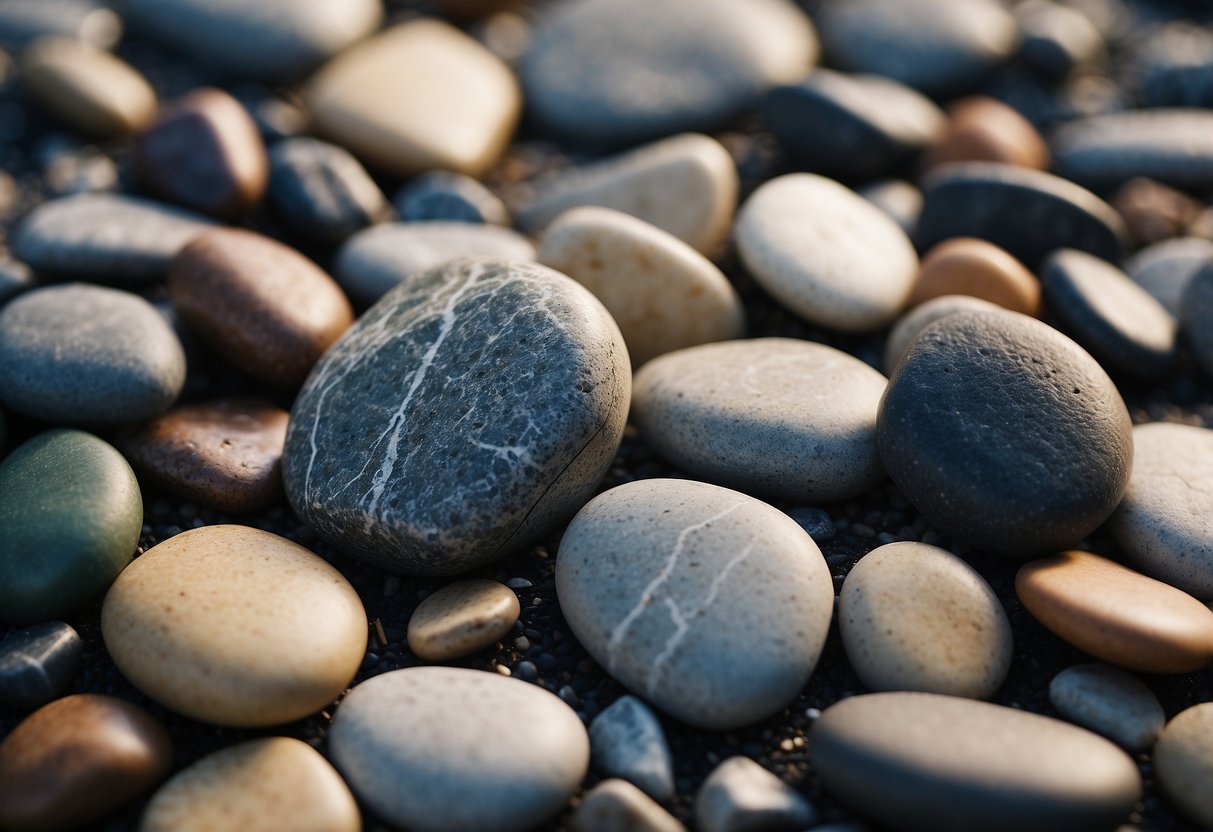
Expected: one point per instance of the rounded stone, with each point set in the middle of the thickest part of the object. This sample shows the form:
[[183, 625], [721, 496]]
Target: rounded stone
[[919, 761], [471, 412], [24, 21], [188, 623], [276, 781], [37, 663], [441, 195], [899, 199], [322, 191], [969, 266], [1165, 269], [1110, 702], [916, 617], [903, 333], [461, 618], [663, 294], [740, 794], [1058, 40], [826, 253], [1153, 211], [616, 805], [70, 516], [984, 129], [627, 741], [710, 604], [1172, 146], [770, 416], [1164, 524], [426, 748], [1116, 614], [1196, 317], [1183, 762], [76, 760]]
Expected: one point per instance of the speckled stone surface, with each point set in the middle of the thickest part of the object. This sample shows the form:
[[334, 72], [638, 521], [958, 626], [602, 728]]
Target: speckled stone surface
[[1110, 702], [37, 663], [485, 400], [462, 618], [321, 190], [1005, 434], [1183, 760], [1172, 146], [1196, 317], [740, 794], [718, 605], [909, 325], [969, 266], [626, 740], [426, 748], [618, 806]]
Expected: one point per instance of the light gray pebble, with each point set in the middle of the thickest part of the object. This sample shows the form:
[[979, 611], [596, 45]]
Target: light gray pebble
[[618, 806], [920, 317], [446, 196], [23, 21], [741, 796], [1109, 701], [1165, 269], [322, 191], [626, 741]]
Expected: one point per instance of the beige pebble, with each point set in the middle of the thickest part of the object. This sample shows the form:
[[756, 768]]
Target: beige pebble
[[617, 806], [236, 626], [263, 785], [968, 266], [462, 618], [1183, 762]]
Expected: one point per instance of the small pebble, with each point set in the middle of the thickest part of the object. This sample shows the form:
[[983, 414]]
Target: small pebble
[[1058, 39], [87, 88], [1172, 146], [741, 795], [461, 618], [984, 129], [968, 266], [1110, 702], [626, 741], [897, 198], [321, 191], [443, 196], [24, 21], [618, 806], [909, 325], [37, 663], [1183, 761]]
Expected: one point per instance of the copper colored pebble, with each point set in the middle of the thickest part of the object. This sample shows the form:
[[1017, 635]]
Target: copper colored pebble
[[261, 305], [1116, 614], [226, 454], [204, 152], [982, 129], [76, 760], [1153, 211], [968, 266]]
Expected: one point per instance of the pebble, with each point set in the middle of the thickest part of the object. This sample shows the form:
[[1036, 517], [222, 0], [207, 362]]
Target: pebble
[[1058, 39], [24, 21], [1169, 65], [1164, 524], [917, 617], [591, 73], [1166, 268], [686, 185], [916, 761], [273, 40], [850, 127], [1153, 211], [454, 103], [627, 741], [1183, 762], [261, 784], [204, 151], [1117, 615], [70, 516], [909, 325], [38, 663], [321, 191], [741, 795], [107, 237], [1005, 434], [375, 261], [509, 386], [897, 198], [451, 197], [778, 417], [87, 88], [1110, 702], [618, 806], [1029, 213], [664, 295], [984, 129], [1196, 317], [461, 618], [189, 622], [686, 564], [224, 453], [15, 278], [825, 253], [1172, 146], [969, 266], [427, 748], [76, 760]]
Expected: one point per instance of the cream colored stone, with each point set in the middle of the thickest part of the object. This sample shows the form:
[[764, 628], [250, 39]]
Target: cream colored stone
[[261, 785], [234, 625], [87, 88], [418, 96], [462, 618]]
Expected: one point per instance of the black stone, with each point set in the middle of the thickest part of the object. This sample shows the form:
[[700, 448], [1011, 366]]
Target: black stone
[[447, 196], [1197, 317], [38, 663], [1172, 146], [321, 191]]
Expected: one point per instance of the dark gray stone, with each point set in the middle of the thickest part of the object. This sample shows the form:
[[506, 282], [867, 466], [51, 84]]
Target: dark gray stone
[[321, 191], [1005, 434], [1166, 268], [1027, 212], [1057, 39], [626, 741], [444, 195], [1196, 317], [1109, 701], [1172, 66], [1172, 146], [37, 663], [466, 415]]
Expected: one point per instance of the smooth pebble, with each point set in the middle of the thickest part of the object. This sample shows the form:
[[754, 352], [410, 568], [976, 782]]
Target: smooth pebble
[[618, 806], [321, 191], [1183, 762], [741, 795], [461, 618], [37, 663], [441, 195], [1196, 317], [1165, 269], [909, 325], [87, 88], [969, 266], [627, 741], [984, 129], [1110, 702], [1172, 146]]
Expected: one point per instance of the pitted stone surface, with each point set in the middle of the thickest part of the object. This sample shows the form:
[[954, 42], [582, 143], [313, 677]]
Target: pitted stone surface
[[903, 333]]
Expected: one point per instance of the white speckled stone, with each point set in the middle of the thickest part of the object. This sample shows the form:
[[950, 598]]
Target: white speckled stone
[[740, 795], [1109, 701], [710, 604], [826, 253], [1183, 762], [770, 416], [663, 294], [431, 749], [461, 618], [618, 806], [920, 317], [627, 741]]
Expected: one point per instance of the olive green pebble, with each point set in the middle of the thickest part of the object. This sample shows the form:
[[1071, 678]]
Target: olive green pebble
[[70, 516]]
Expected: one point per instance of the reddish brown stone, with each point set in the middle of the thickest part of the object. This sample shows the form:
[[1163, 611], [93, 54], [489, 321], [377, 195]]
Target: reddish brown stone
[[982, 129], [1153, 211], [968, 266]]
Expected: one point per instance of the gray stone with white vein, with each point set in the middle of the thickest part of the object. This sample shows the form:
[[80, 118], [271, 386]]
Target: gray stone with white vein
[[626, 741], [742, 796]]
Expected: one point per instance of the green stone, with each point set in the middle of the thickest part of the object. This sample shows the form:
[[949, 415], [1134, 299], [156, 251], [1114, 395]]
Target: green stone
[[70, 516]]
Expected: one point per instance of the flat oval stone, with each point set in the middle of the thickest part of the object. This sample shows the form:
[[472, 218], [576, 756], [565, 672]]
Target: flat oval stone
[[468, 414], [1005, 434], [87, 88], [1164, 524], [322, 191], [627, 741], [916, 617], [686, 564], [616, 805], [1029, 213], [917, 761], [70, 516], [1116, 614], [686, 185], [116, 752], [663, 294], [920, 317], [260, 304], [461, 618], [741, 794], [984, 129], [826, 253], [1183, 762], [225, 453], [37, 663], [969, 266], [1109, 702], [454, 103], [426, 748], [188, 623], [276, 780], [375, 261], [1172, 146], [773, 416], [589, 72], [1196, 317], [1165, 269], [452, 197]]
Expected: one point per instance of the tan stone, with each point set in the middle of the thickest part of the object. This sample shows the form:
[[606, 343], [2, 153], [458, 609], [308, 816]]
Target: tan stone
[[983, 129], [968, 266], [462, 618], [87, 88], [1183, 762]]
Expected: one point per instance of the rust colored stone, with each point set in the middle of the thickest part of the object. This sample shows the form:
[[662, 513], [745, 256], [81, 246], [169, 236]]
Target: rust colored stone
[[968, 266], [982, 129]]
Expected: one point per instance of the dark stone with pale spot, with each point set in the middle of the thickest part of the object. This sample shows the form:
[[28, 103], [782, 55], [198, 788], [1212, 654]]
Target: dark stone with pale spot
[[37, 663]]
